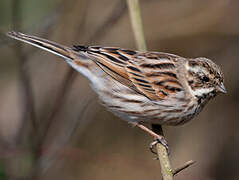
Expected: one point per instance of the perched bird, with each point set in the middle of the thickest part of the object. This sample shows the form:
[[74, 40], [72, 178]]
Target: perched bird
[[142, 87]]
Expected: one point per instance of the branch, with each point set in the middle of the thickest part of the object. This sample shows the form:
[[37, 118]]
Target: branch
[[186, 165], [136, 22], [166, 170]]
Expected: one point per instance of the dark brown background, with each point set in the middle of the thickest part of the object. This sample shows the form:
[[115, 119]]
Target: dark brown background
[[51, 125]]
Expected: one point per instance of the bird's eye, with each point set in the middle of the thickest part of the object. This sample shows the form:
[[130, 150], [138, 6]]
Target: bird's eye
[[205, 79]]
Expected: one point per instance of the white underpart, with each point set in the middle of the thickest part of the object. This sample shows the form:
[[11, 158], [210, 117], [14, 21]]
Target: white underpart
[[201, 91], [115, 88], [133, 97], [87, 73]]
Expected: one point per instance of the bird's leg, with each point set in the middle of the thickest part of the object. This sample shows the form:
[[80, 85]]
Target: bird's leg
[[158, 138]]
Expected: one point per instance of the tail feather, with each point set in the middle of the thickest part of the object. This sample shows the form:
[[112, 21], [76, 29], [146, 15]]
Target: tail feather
[[47, 45]]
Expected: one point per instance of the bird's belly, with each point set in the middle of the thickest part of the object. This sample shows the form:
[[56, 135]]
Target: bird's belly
[[132, 106]]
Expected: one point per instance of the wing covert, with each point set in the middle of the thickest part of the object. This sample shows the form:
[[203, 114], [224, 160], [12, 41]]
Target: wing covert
[[154, 74]]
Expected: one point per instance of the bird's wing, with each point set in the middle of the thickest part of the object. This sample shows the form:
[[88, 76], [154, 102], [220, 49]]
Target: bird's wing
[[155, 74], [151, 74]]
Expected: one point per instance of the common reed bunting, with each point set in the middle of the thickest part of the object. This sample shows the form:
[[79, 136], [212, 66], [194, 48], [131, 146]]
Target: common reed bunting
[[142, 87]]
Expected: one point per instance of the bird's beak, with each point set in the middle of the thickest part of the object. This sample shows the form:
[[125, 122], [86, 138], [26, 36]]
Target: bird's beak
[[222, 88]]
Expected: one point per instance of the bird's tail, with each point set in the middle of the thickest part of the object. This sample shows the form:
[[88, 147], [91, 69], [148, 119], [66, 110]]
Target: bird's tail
[[47, 45]]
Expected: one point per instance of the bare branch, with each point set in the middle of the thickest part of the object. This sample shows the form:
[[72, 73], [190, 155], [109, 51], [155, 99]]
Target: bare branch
[[186, 165], [166, 170]]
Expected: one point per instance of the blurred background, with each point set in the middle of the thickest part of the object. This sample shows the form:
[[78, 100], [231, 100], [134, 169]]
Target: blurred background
[[51, 124]]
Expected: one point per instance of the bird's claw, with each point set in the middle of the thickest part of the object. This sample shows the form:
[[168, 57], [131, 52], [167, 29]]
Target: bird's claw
[[160, 140]]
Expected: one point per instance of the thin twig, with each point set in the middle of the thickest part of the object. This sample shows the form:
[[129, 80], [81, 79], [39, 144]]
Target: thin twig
[[186, 165]]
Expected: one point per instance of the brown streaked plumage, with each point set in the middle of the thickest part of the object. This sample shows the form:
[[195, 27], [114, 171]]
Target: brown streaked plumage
[[142, 87]]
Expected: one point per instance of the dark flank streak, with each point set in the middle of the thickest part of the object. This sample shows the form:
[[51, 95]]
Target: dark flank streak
[[131, 112], [173, 111], [180, 122], [131, 101], [190, 107], [114, 96], [150, 110], [155, 116], [115, 107], [107, 93]]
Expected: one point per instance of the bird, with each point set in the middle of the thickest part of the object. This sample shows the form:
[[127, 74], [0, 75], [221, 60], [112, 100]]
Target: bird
[[141, 87]]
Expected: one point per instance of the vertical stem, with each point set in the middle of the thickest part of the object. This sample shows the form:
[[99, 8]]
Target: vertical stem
[[135, 16], [136, 21]]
